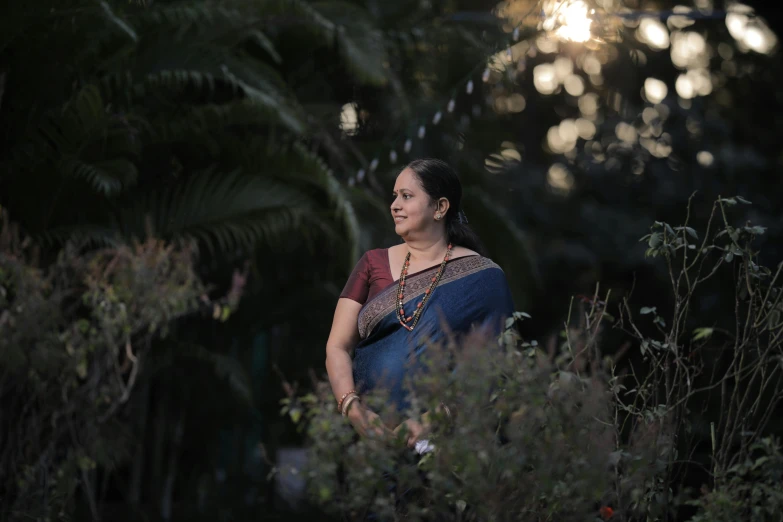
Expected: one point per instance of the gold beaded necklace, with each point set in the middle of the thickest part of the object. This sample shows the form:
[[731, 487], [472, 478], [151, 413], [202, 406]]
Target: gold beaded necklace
[[414, 318]]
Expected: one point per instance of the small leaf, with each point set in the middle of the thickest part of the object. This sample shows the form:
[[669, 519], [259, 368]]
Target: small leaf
[[647, 310], [743, 200], [461, 505], [729, 257], [702, 333], [692, 232]]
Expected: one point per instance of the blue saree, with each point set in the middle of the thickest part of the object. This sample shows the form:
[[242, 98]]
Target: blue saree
[[472, 292]]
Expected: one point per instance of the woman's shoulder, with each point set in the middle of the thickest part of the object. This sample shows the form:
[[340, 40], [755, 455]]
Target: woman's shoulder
[[372, 258], [376, 253], [461, 251], [479, 261]]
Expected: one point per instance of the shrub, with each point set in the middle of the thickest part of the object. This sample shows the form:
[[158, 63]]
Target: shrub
[[72, 339]]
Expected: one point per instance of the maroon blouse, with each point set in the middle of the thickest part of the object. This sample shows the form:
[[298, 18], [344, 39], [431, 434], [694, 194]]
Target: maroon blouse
[[371, 275]]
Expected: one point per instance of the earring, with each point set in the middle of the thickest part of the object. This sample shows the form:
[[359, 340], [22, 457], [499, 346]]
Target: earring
[[438, 216]]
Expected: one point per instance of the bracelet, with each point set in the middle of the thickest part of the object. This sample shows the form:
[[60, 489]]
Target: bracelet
[[348, 402], [342, 399]]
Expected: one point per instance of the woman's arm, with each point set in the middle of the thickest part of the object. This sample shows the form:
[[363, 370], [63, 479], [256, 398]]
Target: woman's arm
[[342, 338]]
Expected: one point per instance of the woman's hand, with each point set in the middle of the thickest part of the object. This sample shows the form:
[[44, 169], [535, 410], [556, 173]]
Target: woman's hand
[[415, 430], [366, 422]]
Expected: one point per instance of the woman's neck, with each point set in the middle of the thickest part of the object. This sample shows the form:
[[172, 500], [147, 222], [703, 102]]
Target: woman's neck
[[427, 250]]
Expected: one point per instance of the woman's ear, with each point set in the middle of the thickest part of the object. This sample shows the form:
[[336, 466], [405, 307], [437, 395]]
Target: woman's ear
[[443, 206]]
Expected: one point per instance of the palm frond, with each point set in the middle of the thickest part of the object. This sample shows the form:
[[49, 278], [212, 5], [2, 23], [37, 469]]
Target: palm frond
[[107, 177], [85, 140], [361, 44], [208, 120], [118, 22], [260, 86], [294, 165], [221, 211], [224, 25]]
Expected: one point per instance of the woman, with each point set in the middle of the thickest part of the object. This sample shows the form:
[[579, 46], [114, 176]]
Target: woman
[[400, 298]]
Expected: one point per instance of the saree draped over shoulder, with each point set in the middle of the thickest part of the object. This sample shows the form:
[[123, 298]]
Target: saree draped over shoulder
[[472, 292]]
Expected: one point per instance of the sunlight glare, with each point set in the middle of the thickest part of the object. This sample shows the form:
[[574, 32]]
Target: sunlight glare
[[569, 19]]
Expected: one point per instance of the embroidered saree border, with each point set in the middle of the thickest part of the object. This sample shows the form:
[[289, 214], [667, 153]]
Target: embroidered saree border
[[385, 302]]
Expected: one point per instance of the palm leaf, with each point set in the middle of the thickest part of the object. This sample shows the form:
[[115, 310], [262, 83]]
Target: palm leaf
[[207, 121], [220, 211], [219, 24], [361, 44], [85, 141], [258, 84], [118, 22], [294, 165], [107, 176]]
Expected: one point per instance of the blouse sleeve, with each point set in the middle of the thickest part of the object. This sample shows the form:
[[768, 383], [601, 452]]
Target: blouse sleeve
[[358, 285]]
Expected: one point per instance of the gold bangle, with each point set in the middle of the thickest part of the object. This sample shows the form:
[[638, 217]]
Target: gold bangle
[[342, 400], [348, 402]]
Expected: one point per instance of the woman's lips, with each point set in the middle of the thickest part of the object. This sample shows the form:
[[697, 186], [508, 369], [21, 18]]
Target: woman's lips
[[398, 219]]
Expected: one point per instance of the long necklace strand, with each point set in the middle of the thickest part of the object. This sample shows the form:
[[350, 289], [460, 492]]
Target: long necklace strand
[[414, 318]]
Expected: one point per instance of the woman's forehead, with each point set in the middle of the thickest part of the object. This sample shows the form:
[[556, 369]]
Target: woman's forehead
[[407, 180]]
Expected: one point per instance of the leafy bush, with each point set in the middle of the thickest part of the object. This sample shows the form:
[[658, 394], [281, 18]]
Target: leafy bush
[[72, 339], [750, 490], [533, 439]]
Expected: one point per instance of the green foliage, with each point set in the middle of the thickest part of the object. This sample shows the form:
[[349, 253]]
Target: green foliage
[[72, 339], [530, 439], [750, 489], [152, 116]]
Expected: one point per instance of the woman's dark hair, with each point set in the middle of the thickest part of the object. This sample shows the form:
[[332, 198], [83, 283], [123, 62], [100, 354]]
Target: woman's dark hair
[[439, 180]]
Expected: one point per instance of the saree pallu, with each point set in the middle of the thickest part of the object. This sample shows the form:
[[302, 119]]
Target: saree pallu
[[473, 292]]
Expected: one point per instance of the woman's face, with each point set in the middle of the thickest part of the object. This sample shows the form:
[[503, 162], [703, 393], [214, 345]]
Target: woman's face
[[412, 208]]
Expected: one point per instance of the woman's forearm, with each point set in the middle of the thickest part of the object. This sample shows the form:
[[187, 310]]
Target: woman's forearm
[[339, 366]]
